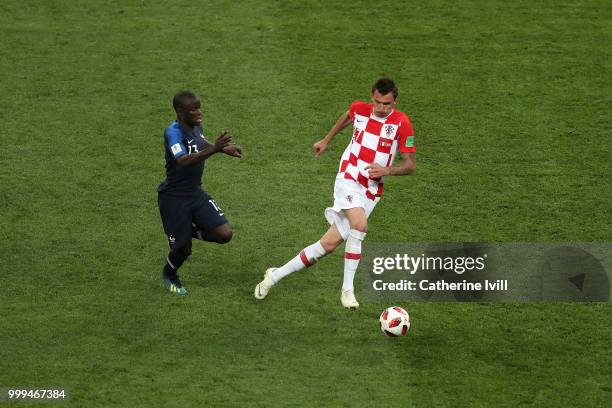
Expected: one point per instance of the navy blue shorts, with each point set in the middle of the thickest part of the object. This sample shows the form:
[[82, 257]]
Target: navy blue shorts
[[179, 212]]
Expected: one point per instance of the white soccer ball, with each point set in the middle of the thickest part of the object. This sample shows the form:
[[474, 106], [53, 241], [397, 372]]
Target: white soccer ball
[[394, 321]]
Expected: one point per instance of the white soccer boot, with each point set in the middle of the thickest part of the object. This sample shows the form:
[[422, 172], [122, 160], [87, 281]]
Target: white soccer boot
[[348, 299], [263, 287]]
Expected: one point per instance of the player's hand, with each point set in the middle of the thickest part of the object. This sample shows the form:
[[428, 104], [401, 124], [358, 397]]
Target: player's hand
[[233, 150], [378, 171], [222, 141], [319, 148]]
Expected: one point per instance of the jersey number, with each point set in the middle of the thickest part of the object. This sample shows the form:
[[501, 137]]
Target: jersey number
[[193, 149], [216, 206]]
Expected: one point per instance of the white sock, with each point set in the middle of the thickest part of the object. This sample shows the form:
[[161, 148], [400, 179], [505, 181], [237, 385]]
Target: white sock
[[352, 255], [307, 257]]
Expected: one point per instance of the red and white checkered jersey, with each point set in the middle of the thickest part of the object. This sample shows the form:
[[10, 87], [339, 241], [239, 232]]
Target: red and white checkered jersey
[[375, 140]]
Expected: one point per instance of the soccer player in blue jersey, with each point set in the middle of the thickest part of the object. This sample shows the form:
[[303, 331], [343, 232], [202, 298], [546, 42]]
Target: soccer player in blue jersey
[[186, 210]]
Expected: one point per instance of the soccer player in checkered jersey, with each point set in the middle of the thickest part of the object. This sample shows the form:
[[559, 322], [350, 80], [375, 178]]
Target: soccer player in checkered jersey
[[379, 133]]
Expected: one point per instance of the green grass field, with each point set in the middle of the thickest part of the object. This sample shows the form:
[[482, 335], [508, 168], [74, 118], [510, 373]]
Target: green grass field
[[510, 102]]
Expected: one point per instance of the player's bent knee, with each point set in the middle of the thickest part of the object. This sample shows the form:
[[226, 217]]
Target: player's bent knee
[[224, 234], [360, 226], [226, 237]]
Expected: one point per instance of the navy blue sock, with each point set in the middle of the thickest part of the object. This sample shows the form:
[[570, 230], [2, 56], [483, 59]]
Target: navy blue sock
[[176, 258], [169, 271]]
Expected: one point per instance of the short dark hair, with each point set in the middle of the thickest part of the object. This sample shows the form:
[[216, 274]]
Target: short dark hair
[[181, 98], [384, 86]]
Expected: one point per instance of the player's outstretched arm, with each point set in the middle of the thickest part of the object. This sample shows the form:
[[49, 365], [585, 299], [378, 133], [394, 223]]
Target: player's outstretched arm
[[342, 122], [406, 167], [222, 142]]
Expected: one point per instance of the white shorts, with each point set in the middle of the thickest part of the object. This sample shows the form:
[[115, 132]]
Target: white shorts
[[347, 194]]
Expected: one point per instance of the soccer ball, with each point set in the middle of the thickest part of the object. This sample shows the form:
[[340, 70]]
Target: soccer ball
[[394, 321]]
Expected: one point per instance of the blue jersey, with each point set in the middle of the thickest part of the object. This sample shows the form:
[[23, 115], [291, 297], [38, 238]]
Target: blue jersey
[[177, 143]]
